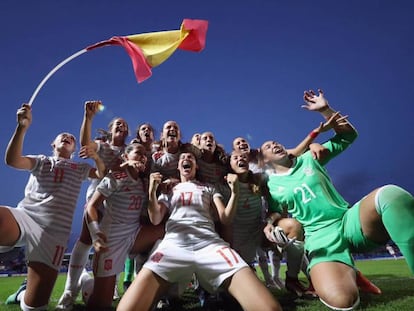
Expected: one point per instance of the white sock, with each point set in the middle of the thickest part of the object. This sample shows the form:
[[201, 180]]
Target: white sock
[[20, 296], [25, 307], [77, 263], [275, 263]]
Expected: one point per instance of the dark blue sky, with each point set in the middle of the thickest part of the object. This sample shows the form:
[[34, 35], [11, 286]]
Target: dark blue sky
[[249, 80]]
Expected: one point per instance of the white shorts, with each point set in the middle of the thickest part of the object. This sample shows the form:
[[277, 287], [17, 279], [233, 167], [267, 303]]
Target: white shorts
[[112, 262], [212, 265], [41, 245]]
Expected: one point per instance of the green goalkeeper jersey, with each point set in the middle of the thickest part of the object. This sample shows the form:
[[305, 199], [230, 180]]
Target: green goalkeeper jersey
[[306, 189]]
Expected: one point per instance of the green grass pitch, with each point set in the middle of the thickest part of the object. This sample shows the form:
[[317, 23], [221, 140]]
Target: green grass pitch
[[392, 276]]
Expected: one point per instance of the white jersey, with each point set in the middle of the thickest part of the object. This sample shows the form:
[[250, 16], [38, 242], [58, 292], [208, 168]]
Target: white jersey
[[191, 224], [125, 200], [52, 192], [166, 163], [110, 156], [247, 223], [191, 245]]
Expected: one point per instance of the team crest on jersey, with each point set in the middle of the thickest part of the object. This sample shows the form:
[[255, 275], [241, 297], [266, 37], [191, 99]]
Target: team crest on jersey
[[157, 155], [108, 264], [157, 257], [246, 203], [308, 171]]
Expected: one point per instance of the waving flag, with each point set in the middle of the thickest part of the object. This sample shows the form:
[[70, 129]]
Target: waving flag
[[148, 50]]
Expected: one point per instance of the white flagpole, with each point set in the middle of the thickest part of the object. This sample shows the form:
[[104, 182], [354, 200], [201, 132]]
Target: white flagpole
[[52, 72]]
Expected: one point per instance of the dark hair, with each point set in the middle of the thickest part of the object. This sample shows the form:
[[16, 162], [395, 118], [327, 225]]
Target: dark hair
[[139, 126], [103, 135], [132, 146], [111, 124]]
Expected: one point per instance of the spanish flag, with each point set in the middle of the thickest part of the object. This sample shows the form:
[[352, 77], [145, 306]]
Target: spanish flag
[[148, 50]]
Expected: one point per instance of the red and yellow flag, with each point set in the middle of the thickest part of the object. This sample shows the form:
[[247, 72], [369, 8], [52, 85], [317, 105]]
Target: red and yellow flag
[[148, 50]]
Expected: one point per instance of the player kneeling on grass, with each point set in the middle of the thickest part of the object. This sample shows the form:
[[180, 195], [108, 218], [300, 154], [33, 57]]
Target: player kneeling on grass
[[333, 228], [43, 219], [120, 231], [191, 245]]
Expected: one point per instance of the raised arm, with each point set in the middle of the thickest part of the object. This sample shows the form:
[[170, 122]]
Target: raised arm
[[318, 102], [303, 146], [14, 156], [100, 170], [345, 132], [91, 108], [226, 213], [156, 210]]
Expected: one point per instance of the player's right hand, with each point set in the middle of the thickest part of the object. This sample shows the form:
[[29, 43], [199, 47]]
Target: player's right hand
[[99, 244]]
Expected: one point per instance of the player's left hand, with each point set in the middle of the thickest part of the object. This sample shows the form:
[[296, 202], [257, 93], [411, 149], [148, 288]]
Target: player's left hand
[[313, 101]]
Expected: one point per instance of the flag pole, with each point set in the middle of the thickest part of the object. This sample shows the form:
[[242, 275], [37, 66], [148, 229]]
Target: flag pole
[[58, 66]]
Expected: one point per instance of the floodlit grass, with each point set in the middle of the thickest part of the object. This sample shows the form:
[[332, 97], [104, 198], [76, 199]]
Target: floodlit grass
[[392, 276]]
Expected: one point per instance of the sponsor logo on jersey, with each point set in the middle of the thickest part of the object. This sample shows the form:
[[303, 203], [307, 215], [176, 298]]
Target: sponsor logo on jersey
[[157, 155]]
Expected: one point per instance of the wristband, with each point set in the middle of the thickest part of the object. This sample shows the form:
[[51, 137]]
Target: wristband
[[93, 227], [313, 134]]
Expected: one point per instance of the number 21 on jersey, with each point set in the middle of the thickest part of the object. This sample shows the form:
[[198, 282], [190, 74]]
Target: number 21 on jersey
[[306, 193]]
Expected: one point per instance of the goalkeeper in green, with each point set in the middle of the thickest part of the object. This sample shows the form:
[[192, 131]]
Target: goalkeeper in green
[[333, 228]]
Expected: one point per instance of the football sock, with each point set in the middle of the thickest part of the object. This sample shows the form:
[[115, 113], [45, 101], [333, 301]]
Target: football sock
[[77, 263], [129, 269], [262, 261], [294, 257], [341, 309], [274, 259], [25, 307], [396, 207]]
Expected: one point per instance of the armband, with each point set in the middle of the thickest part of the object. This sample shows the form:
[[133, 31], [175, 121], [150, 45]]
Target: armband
[[313, 134]]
